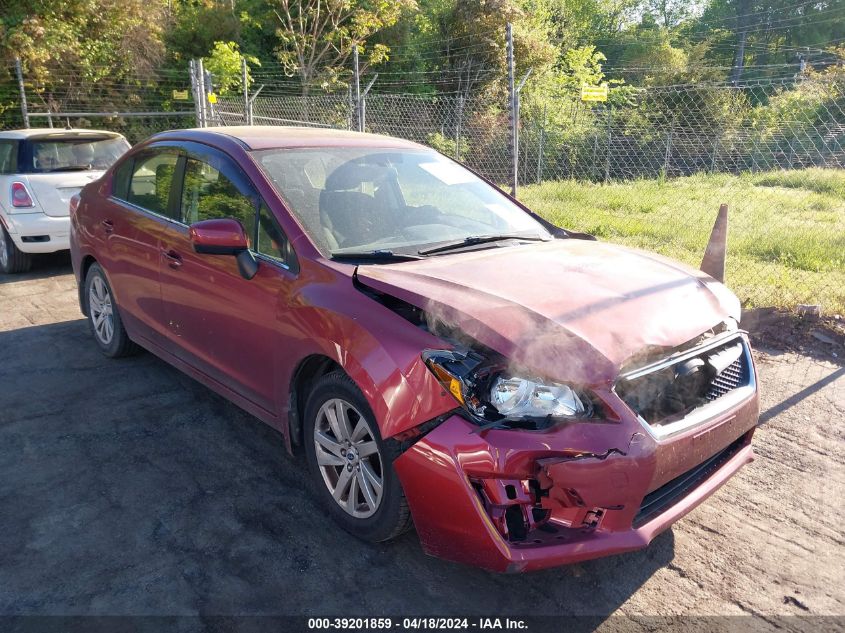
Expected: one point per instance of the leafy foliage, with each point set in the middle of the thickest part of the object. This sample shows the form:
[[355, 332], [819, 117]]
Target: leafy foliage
[[224, 64], [318, 37]]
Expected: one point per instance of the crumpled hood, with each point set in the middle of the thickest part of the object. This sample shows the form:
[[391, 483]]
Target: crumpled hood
[[573, 310]]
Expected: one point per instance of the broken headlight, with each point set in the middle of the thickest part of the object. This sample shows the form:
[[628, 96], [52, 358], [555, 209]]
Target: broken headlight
[[490, 392]]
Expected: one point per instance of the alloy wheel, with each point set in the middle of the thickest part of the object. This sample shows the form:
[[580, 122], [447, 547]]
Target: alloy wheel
[[101, 310], [348, 458]]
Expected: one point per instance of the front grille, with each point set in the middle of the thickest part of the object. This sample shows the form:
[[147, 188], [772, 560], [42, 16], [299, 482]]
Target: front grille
[[669, 494], [728, 380], [673, 389]]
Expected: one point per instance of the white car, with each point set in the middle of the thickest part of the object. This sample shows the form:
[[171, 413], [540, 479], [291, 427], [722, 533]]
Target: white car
[[40, 169]]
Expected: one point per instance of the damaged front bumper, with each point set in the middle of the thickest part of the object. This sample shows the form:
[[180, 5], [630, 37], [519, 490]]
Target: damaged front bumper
[[513, 501]]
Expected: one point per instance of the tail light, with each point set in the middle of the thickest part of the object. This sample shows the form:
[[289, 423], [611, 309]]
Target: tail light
[[74, 203], [20, 196]]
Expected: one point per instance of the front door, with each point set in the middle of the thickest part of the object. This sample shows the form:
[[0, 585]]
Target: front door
[[222, 324]]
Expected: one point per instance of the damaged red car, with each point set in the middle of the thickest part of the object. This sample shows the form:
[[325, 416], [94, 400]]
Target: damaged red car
[[524, 395]]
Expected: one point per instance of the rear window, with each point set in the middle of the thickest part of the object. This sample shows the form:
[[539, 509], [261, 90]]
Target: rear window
[[8, 157], [74, 153]]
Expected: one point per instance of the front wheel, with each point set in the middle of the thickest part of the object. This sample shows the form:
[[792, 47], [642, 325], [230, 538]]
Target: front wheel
[[350, 463], [12, 259], [103, 316]]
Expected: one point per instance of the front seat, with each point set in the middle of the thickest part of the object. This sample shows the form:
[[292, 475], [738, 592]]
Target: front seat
[[347, 216]]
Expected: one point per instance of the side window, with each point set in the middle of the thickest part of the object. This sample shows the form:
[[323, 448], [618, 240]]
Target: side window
[[120, 179], [8, 157], [271, 240], [208, 194], [152, 179]]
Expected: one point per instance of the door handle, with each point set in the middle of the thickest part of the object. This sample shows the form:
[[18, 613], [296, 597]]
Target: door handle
[[108, 226], [174, 260]]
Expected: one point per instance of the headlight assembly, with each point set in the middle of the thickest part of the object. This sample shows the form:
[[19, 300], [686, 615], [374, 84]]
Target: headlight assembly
[[491, 393], [521, 397]]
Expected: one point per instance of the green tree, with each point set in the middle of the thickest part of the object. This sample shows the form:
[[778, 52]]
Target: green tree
[[196, 25], [317, 37], [224, 64], [74, 50]]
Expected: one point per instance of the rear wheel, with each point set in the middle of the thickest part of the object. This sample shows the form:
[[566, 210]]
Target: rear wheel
[[104, 318], [12, 259], [351, 465]]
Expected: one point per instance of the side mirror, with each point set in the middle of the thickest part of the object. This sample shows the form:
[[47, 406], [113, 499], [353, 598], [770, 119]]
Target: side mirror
[[224, 237]]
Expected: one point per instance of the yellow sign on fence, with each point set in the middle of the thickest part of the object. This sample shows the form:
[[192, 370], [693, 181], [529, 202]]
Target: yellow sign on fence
[[594, 93], [180, 94]]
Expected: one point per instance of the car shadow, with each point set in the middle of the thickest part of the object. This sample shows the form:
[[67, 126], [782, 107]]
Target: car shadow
[[129, 488], [43, 266]]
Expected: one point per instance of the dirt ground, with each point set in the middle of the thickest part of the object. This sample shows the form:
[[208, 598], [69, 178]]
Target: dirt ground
[[127, 488]]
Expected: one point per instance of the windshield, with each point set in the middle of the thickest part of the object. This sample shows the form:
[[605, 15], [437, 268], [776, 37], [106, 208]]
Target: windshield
[[75, 153], [400, 201]]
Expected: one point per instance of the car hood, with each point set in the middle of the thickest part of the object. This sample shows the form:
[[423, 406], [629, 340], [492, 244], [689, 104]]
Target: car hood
[[573, 310]]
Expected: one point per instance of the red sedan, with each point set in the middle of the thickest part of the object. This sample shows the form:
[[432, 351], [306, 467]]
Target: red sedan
[[524, 395]]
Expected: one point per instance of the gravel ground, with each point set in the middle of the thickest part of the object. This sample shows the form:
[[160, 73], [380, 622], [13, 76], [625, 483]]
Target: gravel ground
[[126, 488]]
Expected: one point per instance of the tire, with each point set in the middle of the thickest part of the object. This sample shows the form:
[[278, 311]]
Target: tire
[[12, 260], [372, 461], [103, 316]]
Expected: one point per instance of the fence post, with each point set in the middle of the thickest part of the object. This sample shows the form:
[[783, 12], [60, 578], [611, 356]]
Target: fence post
[[458, 127], [251, 104], [192, 71], [208, 86], [540, 147], [607, 155], [715, 149], [350, 105], [201, 87], [754, 155], [24, 111], [245, 81], [358, 108], [513, 113], [364, 102], [668, 155]]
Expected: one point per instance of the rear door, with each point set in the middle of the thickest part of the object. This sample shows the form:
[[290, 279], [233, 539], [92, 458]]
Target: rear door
[[223, 324], [143, 204]]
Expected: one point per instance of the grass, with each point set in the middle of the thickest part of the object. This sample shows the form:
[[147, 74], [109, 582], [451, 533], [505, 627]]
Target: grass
[[786, 236]]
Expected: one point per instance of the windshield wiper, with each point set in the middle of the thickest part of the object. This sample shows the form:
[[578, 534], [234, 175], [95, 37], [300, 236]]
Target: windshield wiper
[[376, 254], [477, 239]]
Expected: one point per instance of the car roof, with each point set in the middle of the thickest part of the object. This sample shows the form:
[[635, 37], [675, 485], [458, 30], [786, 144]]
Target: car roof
[[257, 137], [53, 131]]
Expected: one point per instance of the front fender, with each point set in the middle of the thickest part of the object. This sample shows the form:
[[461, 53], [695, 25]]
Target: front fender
[[375, 346], [384, 363]]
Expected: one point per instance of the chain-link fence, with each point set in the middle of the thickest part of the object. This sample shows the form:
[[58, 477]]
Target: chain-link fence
[[649, 167]]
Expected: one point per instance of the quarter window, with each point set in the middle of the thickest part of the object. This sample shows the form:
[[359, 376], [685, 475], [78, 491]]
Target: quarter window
[[152, 179]]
